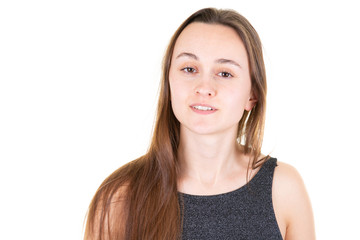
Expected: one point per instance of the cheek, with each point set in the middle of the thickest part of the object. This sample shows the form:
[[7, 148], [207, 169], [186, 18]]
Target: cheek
[[172, 86], [176, 100], [178, 90], [175, 96], [238, 95], [173, 92], [237, 100]]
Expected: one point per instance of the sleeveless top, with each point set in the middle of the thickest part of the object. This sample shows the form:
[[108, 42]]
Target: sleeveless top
[[243, 214]]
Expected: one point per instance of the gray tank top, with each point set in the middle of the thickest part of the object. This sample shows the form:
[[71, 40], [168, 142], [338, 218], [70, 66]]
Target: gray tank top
[[245, 214]]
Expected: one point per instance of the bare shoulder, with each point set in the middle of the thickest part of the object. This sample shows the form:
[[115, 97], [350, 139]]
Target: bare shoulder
[[292, 204], [286, 176]]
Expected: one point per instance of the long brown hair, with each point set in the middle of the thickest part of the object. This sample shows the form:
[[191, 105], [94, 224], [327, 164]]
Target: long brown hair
[[140, 200]]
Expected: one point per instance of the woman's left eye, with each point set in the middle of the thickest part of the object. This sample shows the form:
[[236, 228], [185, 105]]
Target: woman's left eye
[[225, 74]]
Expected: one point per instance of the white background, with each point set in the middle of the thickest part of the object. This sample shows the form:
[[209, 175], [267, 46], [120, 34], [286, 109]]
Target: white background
[[78, 88]]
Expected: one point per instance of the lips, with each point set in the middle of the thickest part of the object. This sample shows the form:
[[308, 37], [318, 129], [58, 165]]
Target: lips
[[203, 108]]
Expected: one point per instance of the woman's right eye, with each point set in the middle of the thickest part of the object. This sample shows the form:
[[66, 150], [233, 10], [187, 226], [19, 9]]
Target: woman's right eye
[[189, 70]]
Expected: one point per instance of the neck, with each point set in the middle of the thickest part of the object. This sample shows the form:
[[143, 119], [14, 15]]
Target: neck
[[209, 159]]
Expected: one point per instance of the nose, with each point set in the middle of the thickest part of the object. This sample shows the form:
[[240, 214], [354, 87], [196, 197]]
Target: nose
[[205, 88]]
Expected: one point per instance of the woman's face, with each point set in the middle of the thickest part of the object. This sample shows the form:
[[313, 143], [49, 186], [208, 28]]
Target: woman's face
[[209, 79]]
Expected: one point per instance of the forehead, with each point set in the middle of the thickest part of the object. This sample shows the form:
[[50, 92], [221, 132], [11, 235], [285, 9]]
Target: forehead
[[210, 40]]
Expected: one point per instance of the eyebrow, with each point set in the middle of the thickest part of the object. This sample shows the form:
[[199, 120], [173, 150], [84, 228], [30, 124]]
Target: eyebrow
[[186, 54], [232, 62], [221, 60]]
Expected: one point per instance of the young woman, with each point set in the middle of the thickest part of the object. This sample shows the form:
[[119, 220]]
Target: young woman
[[204, 176]]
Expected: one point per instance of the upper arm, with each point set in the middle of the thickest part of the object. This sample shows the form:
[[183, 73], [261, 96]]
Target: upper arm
[[292, 204]]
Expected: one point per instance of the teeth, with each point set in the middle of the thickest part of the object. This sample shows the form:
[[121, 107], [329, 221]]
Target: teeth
[[203, 108]]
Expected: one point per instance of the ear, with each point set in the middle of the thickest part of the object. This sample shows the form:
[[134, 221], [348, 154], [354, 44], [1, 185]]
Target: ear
[[251, 102]]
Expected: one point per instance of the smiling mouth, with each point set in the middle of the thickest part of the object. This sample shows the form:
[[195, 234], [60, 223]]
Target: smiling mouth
[[203, 108]]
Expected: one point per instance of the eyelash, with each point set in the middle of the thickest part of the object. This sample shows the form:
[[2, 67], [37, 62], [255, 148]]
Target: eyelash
[[186, 70], [229, 75], [193, 70]]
